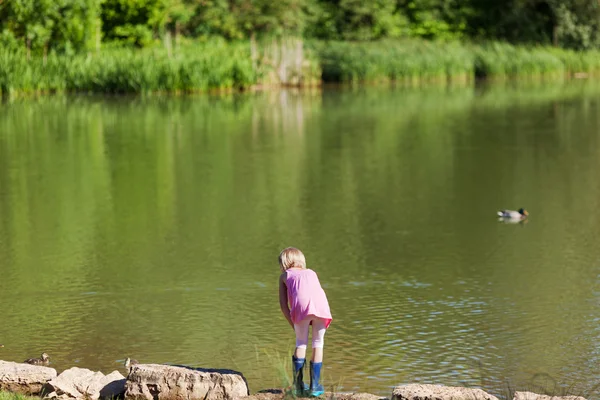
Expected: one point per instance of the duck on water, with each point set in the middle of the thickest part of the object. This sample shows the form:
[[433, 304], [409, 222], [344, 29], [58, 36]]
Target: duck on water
[[521, 214]]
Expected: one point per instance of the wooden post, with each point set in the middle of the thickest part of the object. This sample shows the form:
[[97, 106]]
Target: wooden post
[[98, 35], [254, 51], [177, 36], [168, 43]]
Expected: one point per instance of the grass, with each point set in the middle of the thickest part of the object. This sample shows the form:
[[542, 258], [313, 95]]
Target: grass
[[282, 365], [15, 396], [194, 67], [394, 61], [220, 65], [198, 68], [417, 62]]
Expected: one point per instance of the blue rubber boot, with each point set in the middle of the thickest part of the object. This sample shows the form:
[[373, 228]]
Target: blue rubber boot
[[316, 389], [298, 387]]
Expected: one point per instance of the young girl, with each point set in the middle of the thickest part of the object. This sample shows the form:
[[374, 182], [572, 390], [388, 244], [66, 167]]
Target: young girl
[[307, 306]]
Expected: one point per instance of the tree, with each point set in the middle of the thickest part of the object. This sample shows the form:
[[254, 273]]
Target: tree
[[357, 20], [133, 21], [44, 24], [434, 19], [214, 18], [236, 19], [576, 23]]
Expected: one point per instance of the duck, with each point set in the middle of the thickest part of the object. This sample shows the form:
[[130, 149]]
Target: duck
[[1, 346], [44, 360], [130, 361], [510, 214]]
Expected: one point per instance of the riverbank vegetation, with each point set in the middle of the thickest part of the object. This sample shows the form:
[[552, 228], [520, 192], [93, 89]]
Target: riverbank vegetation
[[220, 65], [146, 46], [15, 396]]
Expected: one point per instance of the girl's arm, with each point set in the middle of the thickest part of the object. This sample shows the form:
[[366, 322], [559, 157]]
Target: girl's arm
[[283, 300]]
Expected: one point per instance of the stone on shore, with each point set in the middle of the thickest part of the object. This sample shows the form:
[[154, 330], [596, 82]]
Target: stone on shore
[[24, 378], [535, 396], [278, 394], [166, 382], [81, 383], [438, 392]]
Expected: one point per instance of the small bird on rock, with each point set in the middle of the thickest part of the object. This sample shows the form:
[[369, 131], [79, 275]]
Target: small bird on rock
[[129, 362], [44, 360]]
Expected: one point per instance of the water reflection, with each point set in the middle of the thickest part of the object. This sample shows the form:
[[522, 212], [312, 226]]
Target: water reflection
[[150, 228]]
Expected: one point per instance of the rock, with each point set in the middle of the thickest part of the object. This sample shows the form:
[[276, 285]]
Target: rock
[[24, 378], [354, 396], [535, 396], [278, 394], [79, 383], [162, 382], [438, 392]]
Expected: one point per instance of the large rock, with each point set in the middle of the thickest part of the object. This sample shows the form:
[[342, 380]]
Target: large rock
[[437, 392], [535, 396], [79, 383], [166, 382], [24, 378], [279, 394]]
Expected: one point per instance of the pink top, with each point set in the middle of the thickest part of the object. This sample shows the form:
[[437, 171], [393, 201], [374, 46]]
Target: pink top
[[306, 296]]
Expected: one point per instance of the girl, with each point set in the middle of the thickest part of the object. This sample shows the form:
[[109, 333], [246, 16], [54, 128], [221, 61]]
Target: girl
[[304, 303]]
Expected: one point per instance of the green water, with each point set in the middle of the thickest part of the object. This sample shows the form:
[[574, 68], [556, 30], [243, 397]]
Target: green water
[[150, 228]]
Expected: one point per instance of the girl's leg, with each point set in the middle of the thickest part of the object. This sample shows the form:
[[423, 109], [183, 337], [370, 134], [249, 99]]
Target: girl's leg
[[318, 339], [299, 357], [301, 330], [316, 388]]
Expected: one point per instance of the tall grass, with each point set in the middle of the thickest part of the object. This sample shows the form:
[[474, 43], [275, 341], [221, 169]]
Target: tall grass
[[218, 65], [196, 66], [15, 396], [501, 60], [402, 61], [416, 61]]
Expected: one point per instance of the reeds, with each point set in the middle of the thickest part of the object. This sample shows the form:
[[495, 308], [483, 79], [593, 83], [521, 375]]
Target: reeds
[[220, 65], [15, 396], [417, 61], [198, 68], [397, 61]]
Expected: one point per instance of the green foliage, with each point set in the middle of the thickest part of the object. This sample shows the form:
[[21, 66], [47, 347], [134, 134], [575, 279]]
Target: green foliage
[[566, 23], [411, 62], [417, 61], [196, 66], [360, 20], [68, 25], [431, 19], [43, 24], [214, 18], [15, 396], [236, 19], [133, 21], [576, 23]]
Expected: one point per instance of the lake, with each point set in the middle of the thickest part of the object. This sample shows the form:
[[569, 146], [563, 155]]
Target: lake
[[150, 228]]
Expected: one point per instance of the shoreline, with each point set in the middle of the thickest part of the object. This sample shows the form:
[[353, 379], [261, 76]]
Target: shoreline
[[23, 381]]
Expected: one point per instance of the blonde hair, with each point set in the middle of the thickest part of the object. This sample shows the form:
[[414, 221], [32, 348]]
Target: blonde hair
[[291, 258]]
